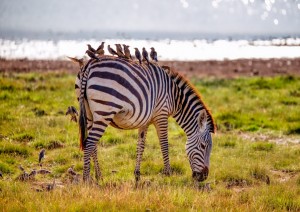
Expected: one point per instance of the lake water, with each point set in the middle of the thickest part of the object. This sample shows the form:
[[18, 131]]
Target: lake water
[[168, 49]]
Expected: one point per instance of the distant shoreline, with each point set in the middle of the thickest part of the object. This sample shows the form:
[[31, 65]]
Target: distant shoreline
[[191, 69]]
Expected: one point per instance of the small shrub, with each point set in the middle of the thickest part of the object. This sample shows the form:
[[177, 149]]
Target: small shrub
[[262, 146], [53, 144], [14, 150], [229, 144], [260, 174], [24, 137], [178, 168], [39, 112], [295, 130], [5, 169], [112, 140]]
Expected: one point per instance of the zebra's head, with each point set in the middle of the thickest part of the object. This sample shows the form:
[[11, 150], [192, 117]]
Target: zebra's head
[[199, 147]]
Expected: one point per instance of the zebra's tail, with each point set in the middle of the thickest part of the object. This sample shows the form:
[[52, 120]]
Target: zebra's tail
[[82, 124]]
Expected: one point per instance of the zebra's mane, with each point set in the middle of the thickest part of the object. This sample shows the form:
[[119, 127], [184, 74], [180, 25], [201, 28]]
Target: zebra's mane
[[184, 83]]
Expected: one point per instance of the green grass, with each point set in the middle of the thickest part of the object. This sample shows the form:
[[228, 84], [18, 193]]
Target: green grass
[[248, 172]]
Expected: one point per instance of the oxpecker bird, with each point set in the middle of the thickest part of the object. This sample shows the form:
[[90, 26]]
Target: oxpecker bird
[[100, 49], [91, 48], [119, 50], [145, 55], [41, 155], [111, 51], [91, 54], [127, 51], [153, 54], [138, 55], [73, 112]]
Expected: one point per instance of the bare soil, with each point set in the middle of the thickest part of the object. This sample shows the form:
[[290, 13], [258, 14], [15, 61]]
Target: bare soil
[[210, 68]]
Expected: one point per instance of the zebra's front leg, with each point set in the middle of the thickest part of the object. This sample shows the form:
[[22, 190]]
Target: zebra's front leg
[[140, 149], [161, 125]]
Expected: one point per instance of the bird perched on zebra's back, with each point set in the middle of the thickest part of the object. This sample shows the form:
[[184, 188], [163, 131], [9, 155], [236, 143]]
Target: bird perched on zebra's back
[[111, 51], [127, 51], [153, 54], [138, 55], [41, 155], [73, 112], [91, 48], [91, 54], [119, 50], [100, 49], [145, 55]]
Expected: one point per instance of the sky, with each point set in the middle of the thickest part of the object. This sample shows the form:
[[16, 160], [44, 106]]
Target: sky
[[254, 17]]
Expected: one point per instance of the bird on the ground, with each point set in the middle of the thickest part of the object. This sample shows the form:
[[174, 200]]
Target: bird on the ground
[[100, 49], [138, 55], [119, 50], [43, 171], [73, 112], [91, 54], [50, 187], [127, 51], [153, 54], [32, 174], [21, 168], [145, 55], [91, 48], [111, 51], [1, 175], [24, 176], [71, 171], [41, 155]]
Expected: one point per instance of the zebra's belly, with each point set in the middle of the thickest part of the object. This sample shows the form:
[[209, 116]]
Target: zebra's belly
[[125, 120]]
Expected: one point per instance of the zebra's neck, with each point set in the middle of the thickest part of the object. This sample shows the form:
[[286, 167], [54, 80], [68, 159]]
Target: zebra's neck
[[187, 105]]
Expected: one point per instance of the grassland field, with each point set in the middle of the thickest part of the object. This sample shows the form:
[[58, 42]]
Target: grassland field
[[255, 161]]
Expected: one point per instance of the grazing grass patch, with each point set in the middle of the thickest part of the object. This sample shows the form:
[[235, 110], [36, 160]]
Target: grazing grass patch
[[262, 146], [247, 171]]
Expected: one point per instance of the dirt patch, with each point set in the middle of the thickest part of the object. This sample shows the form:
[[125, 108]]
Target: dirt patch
[[209, 68], [270, 138]]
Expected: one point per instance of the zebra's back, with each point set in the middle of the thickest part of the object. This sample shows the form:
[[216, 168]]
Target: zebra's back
[[122, 92]]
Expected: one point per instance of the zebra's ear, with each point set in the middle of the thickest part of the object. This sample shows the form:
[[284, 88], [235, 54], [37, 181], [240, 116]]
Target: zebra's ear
[[202, 120], [78, 61]]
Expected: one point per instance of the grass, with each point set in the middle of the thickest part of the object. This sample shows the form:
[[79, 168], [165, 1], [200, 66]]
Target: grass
[[247, 172]]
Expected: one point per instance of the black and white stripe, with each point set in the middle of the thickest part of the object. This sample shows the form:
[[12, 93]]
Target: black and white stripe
[[127, 95]]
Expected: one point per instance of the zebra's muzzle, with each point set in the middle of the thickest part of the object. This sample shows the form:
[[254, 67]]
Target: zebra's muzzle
[[201, 176]]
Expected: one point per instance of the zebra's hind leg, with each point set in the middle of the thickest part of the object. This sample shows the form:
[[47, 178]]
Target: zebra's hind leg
[[94, 153], [161, 125], [94, 134], [98, 174], [140, 149]]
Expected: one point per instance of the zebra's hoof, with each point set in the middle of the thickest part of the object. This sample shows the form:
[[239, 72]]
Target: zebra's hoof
[[167, 171], [137, 175]]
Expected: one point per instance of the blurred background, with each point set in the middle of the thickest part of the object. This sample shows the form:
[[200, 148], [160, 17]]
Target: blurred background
[[178, 29]]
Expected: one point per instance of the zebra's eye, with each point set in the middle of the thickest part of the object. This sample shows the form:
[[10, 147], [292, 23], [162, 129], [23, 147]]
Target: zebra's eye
[[202, 146]]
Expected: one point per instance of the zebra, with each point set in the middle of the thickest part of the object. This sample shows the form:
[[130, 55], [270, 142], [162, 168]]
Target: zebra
[[126, 95]]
